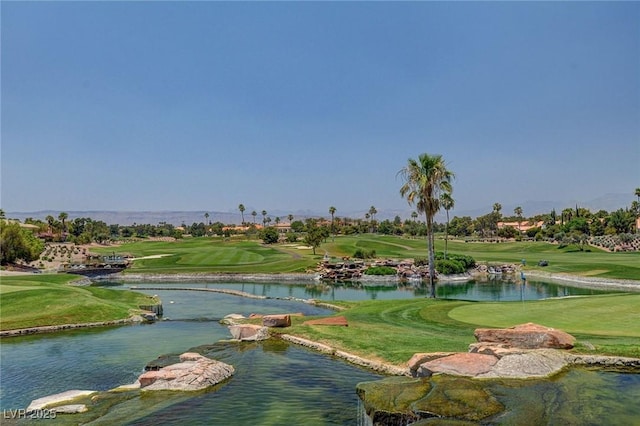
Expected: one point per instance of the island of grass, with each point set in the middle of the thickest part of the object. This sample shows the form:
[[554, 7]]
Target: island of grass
[[29, 301]]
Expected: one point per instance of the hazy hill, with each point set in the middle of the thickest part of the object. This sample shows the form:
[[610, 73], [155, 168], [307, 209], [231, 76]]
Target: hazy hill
[[608, 202]]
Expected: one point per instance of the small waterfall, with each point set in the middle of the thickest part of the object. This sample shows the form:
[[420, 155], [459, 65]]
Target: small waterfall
[[363, 417]]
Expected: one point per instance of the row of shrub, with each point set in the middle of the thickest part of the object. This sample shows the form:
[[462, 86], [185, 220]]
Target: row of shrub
[[381, 270], [453, 264]]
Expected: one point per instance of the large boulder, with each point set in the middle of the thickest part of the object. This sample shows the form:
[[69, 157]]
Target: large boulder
[[194, 372], [422, 357], [537, 363], [526, 336], [250, 332], [276, 321], [460, 364]]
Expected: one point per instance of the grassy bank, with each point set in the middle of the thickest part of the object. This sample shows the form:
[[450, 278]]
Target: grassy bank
[[214, 255], [41, 300], [394, 330]]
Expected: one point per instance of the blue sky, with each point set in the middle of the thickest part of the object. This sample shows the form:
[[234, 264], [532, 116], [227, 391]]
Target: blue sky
[[295, 106]]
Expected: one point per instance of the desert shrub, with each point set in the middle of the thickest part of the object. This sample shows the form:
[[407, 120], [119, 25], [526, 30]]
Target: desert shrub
[[380, 270], [421, 261], [450, 266], [467, 262], [364, 254]]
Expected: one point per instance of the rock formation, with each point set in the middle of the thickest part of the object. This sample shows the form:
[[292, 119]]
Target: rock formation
[[250, 332], [526, 336], [276, 321], [194, 372]]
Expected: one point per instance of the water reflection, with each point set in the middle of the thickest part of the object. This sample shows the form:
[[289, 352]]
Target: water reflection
[[473, 290]]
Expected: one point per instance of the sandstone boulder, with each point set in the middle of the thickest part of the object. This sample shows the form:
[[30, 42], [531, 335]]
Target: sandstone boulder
[[537, 363], [276, 321], [460, 364], [420, 358], [194, 372], [250, 332], [526, 336]]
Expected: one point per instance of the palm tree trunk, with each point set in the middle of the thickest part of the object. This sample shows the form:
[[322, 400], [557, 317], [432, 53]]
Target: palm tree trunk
[[446, 237], [432, 261]]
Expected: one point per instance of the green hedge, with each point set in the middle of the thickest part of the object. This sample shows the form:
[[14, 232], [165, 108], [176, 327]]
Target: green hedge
[[380, 270]]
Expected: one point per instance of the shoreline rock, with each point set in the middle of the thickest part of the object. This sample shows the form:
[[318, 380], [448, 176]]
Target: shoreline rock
[[193, 372]]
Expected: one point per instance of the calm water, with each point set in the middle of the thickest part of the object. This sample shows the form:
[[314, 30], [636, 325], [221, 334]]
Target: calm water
[[275, 383], [492, 290]]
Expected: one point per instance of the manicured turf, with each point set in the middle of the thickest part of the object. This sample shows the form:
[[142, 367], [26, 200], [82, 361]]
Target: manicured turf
[[40, 300], [241, 256], [215, 255], [396, 329]]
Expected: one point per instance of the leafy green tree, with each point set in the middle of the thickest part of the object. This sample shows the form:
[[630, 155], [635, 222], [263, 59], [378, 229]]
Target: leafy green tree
[[17, 243], [621, 221], [314, 237], [297, 226], [461, 226], [269, 235], [424, 180]]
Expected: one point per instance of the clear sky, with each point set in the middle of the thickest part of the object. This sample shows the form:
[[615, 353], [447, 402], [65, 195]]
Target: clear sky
[[305, 105]]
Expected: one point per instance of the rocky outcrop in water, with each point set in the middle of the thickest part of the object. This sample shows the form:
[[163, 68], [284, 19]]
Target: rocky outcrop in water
[[249, 332], [527, 351], [526, 336], [194, 372]]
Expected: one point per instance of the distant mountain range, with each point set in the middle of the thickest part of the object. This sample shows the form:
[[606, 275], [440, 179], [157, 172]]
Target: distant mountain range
[[608, 202]]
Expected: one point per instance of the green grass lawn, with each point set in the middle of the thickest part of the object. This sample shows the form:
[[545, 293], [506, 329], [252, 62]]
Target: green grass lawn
[[396, 329], [240, 256], [40, 300], [214, 255]]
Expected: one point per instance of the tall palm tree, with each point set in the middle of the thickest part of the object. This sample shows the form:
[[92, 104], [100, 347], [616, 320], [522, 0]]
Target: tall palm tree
[[206, 218], [62, 217], [254, 214], [242, 209], [638, 194], [518, 212], [290, 217], [264, 217], [373, 212], [414, 215], [332, 212], [424, 180], [447, 202]]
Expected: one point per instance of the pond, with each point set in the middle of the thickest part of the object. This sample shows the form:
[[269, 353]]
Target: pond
[[275, 382], [473, 290]]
